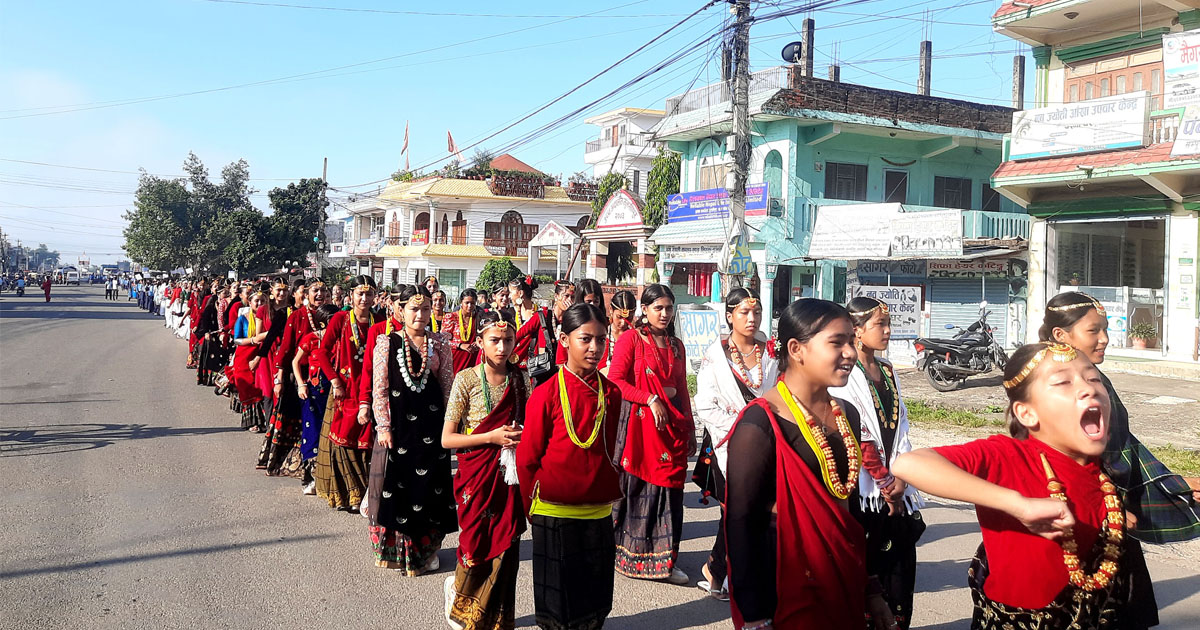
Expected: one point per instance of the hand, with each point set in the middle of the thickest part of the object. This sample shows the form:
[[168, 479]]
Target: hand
[[278, 390], [1048, 518], [1194, 484], [659, 410], [384, 437], [364, 415], [895, 492], [254, 363], [337, 392], [505, 436], [1130, 520], [302, 390], [881, 613]]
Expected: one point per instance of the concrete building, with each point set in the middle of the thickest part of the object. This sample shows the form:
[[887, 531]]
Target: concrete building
[[624, 145], [1107, 162], [846, 181]]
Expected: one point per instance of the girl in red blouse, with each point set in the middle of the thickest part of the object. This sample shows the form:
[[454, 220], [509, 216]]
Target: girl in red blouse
[[1053, 525], [461, 330], [537, 327], [650, 367], [568, 479]]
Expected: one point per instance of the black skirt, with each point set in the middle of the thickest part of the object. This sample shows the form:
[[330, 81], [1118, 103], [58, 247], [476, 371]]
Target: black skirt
[[572, 572]]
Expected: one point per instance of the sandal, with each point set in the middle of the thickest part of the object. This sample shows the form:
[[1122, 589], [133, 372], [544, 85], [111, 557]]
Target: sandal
[[720, 595]]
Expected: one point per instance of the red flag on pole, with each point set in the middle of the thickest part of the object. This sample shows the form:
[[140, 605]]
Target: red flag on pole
[[404, 149], [450, 146]]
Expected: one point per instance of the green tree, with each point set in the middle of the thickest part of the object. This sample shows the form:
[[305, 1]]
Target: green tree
[[159, 233], [240, 241], [609, 184], [498, 272], [297, 217], [662, 182]]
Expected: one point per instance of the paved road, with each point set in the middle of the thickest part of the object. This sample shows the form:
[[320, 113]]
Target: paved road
[[129, 500]]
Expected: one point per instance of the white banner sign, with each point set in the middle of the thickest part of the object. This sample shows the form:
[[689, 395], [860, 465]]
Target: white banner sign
[[699, 329], [904, 303], [1181, 69], [967, 268], [1099, 124], [853, 231], [927, 234]]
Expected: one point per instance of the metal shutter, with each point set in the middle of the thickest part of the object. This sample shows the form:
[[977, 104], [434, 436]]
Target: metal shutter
[[956, 301]]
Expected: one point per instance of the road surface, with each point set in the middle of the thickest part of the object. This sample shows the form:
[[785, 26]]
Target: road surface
[[129, 499]]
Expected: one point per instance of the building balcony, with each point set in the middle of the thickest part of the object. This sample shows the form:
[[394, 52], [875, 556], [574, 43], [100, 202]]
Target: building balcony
[[449, 239], [764, 80], [976, 224], [624, 139], [507, 246]]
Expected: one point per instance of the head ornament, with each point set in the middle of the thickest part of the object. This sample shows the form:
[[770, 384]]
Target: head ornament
[[1059, 352]]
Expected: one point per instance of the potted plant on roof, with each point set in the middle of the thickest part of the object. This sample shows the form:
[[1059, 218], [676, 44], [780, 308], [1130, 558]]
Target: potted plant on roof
[[1144, 335], [1076, 279]]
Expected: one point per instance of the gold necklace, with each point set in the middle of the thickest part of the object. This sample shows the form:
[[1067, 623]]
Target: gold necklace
[[815, 436], [601, 408]]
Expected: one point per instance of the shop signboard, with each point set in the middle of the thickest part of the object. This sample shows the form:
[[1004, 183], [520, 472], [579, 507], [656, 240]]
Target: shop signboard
[[714, 204], [420, 237], [895, 269], [1118, 322], [904, 303], [1187, 138], [695, 253], [853, 231], [1181, 69], [699, 329], [936, 234], [967, 269], [1100, 124]]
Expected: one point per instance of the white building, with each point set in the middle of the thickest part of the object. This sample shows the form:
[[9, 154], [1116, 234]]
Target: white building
[[624, 145]]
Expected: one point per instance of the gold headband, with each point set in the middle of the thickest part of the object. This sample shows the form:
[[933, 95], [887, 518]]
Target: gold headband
[[416, 300], [1091, 303], [317, 285], [499, 323], [623, 313], [881, 307], [750, 301], [1060, 352]]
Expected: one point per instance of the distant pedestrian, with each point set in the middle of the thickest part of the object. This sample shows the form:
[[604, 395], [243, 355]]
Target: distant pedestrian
[[46, 284]]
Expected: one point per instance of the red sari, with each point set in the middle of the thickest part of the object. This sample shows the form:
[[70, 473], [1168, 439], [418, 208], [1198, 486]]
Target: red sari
[[641, 369], [817, 537], [490, 513], [530, 339], [466, 333], [341, 357]]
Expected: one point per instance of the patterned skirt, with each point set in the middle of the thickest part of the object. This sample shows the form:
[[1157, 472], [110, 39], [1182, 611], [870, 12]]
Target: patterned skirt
[[283, 434], [648, 524], [341, 473], [1074, 608], [485, 595], [572, 572], [254, 415]]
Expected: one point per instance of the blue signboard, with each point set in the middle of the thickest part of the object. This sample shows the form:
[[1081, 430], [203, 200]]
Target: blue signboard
[[713, 204]]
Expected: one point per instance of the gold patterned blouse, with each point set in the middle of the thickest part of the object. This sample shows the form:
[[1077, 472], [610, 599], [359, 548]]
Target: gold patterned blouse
[[467, 405]]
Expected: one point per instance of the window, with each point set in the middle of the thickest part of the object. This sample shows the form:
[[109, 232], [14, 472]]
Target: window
[[1089, 90], [1103, 87], [1137, 82], [1116, 74], [845, 181], [1121, 81], [952, 192], [511, 233], [989, 198], [895, 186], [637, 182], [773, 174], [1073, 93], [1156, 88]]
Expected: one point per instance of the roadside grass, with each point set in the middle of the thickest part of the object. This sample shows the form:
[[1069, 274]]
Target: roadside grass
[[1180, 461], [921, 412]]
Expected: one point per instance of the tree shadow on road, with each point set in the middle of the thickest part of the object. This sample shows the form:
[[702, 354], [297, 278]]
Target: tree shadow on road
[[199, 551], [691, 614], [48, 313], [67, 438], [1168, 592]]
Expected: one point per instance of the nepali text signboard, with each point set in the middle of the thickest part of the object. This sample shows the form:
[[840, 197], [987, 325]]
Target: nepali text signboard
[[904, 303], [968, 268], [420, 237], [1100, 124], [697, 253], [1181, 69], [936, 234], [714, 204], [699, 329], [853, 231]]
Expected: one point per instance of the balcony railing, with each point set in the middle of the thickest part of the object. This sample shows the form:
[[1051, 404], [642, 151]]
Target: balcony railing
[[632, 139], [507, 246], [770, 79], [1164, 128], [449, 239], [985, 224]]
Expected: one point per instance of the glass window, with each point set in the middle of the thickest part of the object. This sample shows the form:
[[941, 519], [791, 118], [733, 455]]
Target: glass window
[[1121, 84], [637, 182], [952, 192], [1073, 93], [1089, 90], [989, 198], [895, 186], [1137, 82], [845, 181], [1103, 87], [1156, 81]]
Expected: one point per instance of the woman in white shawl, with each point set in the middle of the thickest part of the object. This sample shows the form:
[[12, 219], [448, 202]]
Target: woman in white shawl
[[888, 509], [735, 370]]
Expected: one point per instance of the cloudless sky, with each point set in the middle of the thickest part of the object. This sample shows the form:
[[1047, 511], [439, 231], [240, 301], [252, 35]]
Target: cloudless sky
[[69, 69]]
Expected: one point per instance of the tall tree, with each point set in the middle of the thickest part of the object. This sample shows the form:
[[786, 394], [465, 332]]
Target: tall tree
[[298, 217], [662, 182], [159, 233]]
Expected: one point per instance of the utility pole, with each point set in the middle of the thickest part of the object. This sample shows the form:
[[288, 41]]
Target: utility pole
[[741, 147], [321, 216]]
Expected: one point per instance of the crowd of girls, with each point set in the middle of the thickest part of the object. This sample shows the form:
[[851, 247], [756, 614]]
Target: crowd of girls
[[574, 422]]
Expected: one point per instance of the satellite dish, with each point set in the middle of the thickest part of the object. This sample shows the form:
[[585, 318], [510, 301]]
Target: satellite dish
[[792, 52]]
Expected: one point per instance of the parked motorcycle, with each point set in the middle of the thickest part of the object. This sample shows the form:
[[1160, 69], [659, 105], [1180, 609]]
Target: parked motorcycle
[[972, 351]]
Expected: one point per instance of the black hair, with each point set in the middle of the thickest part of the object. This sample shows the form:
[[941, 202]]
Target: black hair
[[525, 284], [367, 280], [1016, 363], [804, 319], [862, 304], [300, 283], [1067, 317], [562, 285], [624, 299], [588, 286], [428, 278], [488, 317], [736, 296], [577, 315], [650, 295], [438, 292], [468, 293], [406, 291], [322, 314]]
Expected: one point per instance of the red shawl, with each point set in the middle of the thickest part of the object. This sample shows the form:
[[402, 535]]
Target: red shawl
[[337, 357], [817, 539], [297, 326], [530, 337], [659, 457], [490, 513], [463, 359]]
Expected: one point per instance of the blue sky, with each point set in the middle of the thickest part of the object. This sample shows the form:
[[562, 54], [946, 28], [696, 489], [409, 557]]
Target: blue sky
[[69, 69]]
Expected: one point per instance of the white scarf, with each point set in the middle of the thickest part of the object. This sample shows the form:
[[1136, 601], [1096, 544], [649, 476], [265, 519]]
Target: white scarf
[[858, 393], [719, 400]]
